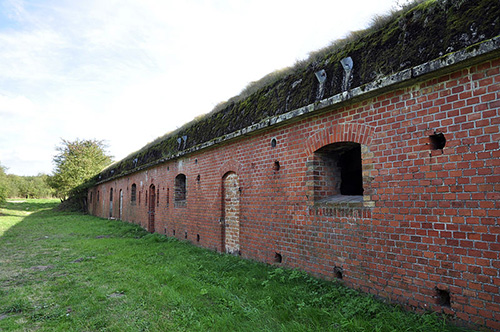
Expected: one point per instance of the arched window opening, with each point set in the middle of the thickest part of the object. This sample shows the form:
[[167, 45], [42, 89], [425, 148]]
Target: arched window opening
[[111, 203], [180, 192], [133, 194]]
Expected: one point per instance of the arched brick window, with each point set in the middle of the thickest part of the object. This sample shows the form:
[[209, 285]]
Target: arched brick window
[[133, 194], [180, 192], [338, 171]]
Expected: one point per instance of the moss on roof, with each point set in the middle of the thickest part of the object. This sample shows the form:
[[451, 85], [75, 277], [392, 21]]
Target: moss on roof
[[417, 35]]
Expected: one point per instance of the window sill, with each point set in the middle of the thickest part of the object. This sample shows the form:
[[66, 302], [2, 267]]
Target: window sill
[[180, 204], [344, 201]]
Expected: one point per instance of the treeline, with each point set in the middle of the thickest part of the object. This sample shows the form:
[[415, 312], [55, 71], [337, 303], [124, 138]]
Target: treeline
[[15, 186], [75, 164]]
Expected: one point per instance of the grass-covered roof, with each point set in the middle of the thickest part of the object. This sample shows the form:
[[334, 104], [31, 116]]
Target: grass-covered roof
[[421, 32]]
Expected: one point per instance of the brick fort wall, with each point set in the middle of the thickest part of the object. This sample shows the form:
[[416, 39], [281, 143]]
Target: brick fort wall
[[419, 226]]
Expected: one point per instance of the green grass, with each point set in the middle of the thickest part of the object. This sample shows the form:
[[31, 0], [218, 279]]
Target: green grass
[[70, 272]]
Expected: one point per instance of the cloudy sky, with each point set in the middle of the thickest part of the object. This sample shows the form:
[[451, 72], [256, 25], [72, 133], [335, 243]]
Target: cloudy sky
[[129, 71]]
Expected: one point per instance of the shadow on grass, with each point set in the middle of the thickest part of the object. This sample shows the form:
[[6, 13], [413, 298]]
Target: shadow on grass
[[29, 205]]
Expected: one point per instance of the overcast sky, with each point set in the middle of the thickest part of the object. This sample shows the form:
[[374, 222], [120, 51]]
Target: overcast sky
[[129, 71]]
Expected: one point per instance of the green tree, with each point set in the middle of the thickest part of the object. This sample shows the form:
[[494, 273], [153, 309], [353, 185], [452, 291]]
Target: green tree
[[75, 163], [29, 186], [42, 187], [3, 185]]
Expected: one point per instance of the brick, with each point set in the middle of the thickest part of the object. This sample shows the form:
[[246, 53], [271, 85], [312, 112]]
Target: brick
[[430, 216]]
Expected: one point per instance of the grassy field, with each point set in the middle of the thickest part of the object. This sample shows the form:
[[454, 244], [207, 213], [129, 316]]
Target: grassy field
[[71, 272]]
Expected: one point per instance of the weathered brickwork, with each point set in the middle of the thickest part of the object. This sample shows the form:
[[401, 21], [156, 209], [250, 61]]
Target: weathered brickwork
[[424, 232], [231, 213]]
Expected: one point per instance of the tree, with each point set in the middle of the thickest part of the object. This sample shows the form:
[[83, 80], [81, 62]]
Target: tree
[[77, 162], [3, 184], [29, 186]]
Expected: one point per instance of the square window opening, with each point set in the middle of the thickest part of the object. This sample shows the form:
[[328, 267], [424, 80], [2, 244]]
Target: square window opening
[[338, 173]]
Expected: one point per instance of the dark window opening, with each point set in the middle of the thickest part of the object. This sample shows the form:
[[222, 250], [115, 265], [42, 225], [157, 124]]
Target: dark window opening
[[338, 171], [273, 143], [185, 235], [133, 194], [91, 197], [111, 195], [351, 172], [158, 197], [98, 195], [180, 189], [197, 237], [168, 197], [173, 232], [276, 165]]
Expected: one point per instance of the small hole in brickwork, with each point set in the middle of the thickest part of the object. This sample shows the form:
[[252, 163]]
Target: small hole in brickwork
[[277, 258], [438, 141], [165, 231], [185, 235], [197, 237], [173, 232], [273, 143], [276, 166], [337, 270], [444, 298], [168, 168], [196, 161], [198, 178]]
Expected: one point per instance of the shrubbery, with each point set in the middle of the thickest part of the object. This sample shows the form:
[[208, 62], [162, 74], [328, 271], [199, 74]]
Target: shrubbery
[[23, 186]]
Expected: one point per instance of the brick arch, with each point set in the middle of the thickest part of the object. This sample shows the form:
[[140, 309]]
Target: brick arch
[[229, 166], [345, 132]]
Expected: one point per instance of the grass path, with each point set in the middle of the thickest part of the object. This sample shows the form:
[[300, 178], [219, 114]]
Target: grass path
[[70, 272]]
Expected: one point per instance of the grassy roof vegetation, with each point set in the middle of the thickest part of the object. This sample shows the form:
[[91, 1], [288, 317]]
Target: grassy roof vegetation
[[420, 32]]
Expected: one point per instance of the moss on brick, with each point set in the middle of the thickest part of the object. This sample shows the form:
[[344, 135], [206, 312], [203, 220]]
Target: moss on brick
[[421, 34]]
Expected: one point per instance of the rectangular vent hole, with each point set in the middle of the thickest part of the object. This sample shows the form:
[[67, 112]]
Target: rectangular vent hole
[[277, 258], [444, 298]]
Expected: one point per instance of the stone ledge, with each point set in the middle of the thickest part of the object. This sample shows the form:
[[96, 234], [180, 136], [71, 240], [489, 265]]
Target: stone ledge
[[344, 201]]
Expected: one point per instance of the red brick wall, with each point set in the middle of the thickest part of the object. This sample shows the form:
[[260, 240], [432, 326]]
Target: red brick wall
[[428, 224]]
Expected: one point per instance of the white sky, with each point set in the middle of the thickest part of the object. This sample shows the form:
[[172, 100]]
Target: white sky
[[129, 71]]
